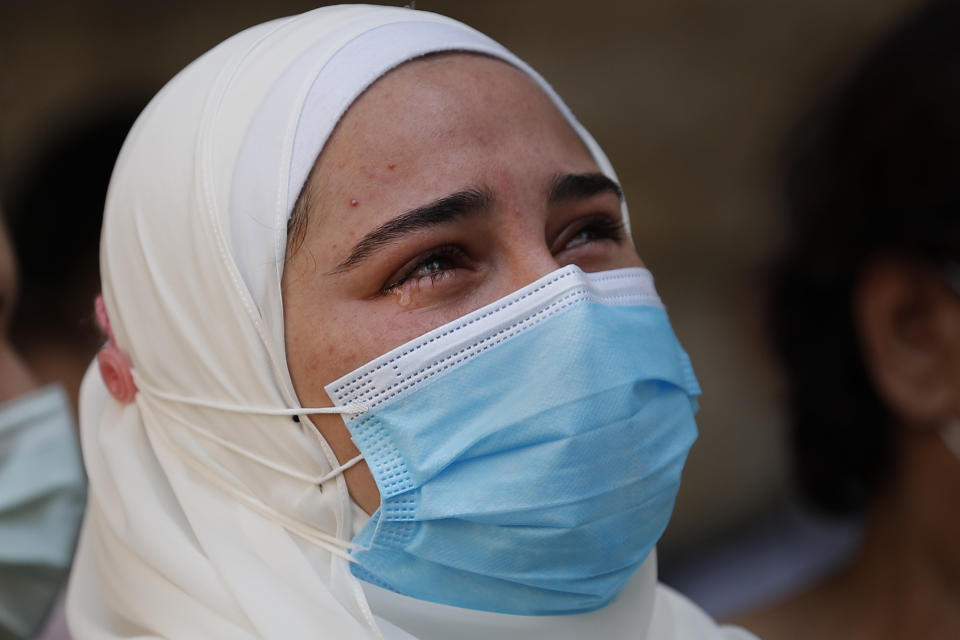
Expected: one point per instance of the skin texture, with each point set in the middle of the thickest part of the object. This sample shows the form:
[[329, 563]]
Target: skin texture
[[904, 581], [428, 129]]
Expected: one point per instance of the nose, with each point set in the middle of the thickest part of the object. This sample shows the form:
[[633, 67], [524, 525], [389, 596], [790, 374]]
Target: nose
[[527, 263]]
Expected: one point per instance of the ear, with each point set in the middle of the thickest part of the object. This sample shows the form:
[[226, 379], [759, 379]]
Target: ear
[[908, 323]]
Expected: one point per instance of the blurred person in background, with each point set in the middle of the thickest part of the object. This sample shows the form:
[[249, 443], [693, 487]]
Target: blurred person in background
[[55, 207], [382, 360], [867, 320], [41, 479]]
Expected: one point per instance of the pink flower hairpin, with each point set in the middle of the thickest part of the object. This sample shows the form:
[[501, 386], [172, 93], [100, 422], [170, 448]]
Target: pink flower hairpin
[[114, 363]]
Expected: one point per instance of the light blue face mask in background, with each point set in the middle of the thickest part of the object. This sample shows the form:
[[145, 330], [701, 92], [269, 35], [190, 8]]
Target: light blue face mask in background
[[42, 495], [528, 454]]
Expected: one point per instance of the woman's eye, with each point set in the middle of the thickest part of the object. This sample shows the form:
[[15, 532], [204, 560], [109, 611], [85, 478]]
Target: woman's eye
[[585, 236], [591, 230], [427, 269], [433, 265]]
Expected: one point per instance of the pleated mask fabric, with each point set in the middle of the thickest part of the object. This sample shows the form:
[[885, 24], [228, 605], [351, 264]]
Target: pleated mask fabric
[[204, 521], [529, 453]]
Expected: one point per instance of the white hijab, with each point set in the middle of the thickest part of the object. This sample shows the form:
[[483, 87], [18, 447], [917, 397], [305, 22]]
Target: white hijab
[[205, 521]]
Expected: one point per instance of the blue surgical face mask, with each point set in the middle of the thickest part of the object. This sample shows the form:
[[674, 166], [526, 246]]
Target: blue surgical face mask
[[528, 454], [42, 494]]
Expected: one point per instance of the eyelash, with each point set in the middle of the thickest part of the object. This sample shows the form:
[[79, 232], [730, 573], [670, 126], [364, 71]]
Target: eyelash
[[448, 253], [605, 228]]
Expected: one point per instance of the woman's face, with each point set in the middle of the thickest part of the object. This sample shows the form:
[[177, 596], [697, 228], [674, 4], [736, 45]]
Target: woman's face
[[450, 183]]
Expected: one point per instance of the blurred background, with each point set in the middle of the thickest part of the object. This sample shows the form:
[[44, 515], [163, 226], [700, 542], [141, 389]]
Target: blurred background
[[689, 98]]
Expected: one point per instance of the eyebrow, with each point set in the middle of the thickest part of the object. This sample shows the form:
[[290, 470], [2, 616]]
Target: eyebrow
[[446, 209], [563, 188], [579, 186]]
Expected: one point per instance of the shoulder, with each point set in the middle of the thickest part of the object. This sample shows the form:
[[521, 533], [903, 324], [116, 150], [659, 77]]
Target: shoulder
[[676, 617]]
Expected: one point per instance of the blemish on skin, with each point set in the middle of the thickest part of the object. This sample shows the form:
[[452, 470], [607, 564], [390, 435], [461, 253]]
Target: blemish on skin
[[354, 202], [391, 166]]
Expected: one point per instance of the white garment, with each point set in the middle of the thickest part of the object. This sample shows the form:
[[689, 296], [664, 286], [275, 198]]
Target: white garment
[[185, 536], [643, 610]]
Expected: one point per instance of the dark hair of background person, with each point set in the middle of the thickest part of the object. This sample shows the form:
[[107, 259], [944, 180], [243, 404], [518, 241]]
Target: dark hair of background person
[[873, 171], [54, 207]]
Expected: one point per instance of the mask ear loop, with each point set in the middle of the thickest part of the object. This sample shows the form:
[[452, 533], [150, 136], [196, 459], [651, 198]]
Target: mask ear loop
[[334, 545], [376, 530], [250, 455], [130, 383], [270, 464], [350, 409]]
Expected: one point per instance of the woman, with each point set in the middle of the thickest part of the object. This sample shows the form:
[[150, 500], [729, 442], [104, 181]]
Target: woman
[[868, 321], [457, 338]]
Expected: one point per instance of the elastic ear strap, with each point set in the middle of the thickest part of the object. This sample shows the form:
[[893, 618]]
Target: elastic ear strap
[[259, 459], [311, 534], [349, 409]]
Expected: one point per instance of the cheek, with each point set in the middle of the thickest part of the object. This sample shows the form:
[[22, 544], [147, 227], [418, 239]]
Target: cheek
[[364, 331], [341, 338], [320, 348]]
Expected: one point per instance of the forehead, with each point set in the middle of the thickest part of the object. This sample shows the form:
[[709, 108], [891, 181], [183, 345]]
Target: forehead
[[438, 124], [450, 89], [457, 85]]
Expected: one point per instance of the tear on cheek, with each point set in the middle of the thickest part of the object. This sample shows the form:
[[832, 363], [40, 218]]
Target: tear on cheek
[[419, 291], [406, 293], [402, 294]]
